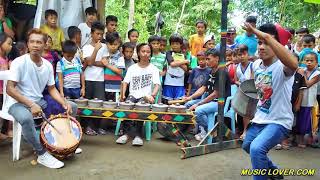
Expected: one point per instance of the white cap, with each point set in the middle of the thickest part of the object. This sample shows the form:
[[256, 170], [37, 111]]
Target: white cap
[[208, 38]]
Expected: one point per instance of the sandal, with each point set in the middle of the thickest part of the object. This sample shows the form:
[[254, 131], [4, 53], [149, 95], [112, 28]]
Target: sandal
[[90, 132]]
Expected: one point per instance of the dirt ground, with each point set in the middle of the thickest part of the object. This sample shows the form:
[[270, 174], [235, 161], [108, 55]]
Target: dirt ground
[[157, 159]]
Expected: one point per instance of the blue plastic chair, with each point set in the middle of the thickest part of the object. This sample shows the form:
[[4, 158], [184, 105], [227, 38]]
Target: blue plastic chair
[[228, 112]]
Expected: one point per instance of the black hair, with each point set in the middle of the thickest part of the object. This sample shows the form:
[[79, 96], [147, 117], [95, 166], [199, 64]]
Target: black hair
[[213, 52], [97, 26], [176, 38], [69, 46], [185, 42], [313, 54], [163, 39], [73, 31], [3, 38], [131, 31], [309, 38], [91, 11], [291, 31], [21, 45], [251, 19], [302, 30], [50, 12], [112, 37], [139, 46], [202, 22], [270, 29], [110, 18], [242, 48], [154, 38], [127, 45], [229, 50]]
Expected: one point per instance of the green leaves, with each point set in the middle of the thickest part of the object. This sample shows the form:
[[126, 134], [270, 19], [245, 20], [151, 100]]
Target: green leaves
[[293, 13]]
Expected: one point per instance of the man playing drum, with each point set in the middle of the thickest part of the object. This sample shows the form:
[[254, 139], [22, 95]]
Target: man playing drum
[[273, 76], [30, 75]]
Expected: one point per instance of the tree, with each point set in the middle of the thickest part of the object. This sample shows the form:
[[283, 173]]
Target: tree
[[289, 13]]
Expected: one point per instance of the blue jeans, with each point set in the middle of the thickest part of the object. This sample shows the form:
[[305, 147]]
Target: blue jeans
[[260, 138], [23, 115], [203, 112]]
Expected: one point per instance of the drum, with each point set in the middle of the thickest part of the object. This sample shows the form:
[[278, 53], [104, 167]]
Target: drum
[[61, 144], [245, 100]]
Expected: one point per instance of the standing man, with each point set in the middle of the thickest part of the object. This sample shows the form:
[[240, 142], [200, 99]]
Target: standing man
[[30, 75], [273, 76]]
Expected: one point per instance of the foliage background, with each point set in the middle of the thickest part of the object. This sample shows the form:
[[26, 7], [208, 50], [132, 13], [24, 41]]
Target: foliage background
[[290, 13]]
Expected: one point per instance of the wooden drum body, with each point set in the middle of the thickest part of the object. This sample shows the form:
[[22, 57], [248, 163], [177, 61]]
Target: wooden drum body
[[61, 144]]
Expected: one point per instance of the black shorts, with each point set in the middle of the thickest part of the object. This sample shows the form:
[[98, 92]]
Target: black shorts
[[1, 100], [95, 89]]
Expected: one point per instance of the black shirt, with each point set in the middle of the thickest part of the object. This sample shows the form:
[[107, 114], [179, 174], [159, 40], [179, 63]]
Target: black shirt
[[213, 83], [298, 84]]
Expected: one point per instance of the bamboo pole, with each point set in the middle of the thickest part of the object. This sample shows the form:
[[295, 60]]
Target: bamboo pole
[[131, 15]]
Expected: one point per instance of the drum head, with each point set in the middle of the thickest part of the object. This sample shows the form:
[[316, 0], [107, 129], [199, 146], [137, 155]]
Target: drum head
[[69, 133]]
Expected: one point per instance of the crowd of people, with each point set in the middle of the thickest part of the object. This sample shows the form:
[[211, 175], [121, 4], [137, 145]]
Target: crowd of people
[[95, 63]]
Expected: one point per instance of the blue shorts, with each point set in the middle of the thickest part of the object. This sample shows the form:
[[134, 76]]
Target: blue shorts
[[173, 92], [73, 93]]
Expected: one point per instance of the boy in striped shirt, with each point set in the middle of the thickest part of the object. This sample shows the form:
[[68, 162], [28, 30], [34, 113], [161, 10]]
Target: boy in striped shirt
[[69, 70]]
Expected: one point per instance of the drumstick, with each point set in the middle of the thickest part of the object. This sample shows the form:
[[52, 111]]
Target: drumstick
[[45, 119], [69, 121], [68, 117]]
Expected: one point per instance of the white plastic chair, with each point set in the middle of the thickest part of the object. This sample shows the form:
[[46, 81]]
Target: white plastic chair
[[17, 129]]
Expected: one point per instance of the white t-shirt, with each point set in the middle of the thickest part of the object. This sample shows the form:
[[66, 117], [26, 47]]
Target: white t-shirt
[[310, 94], [31, 79], [141, 80], [85, 34], [274, 93], [94, 73], [246, 74]]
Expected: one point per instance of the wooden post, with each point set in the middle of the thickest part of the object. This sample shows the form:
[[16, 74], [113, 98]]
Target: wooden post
[[222, 63], [101, 4], [131, 15]]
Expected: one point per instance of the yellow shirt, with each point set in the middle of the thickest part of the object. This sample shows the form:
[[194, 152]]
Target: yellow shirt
[[196, 44], [56, 35]]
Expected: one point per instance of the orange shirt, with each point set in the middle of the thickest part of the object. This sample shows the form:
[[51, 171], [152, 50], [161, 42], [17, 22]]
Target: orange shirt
[[196, 44]]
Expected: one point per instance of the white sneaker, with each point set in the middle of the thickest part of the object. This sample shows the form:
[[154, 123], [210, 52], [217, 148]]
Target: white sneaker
[[78, 151], [137, 141], [49, 161], [122, 139], [200, 135]]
